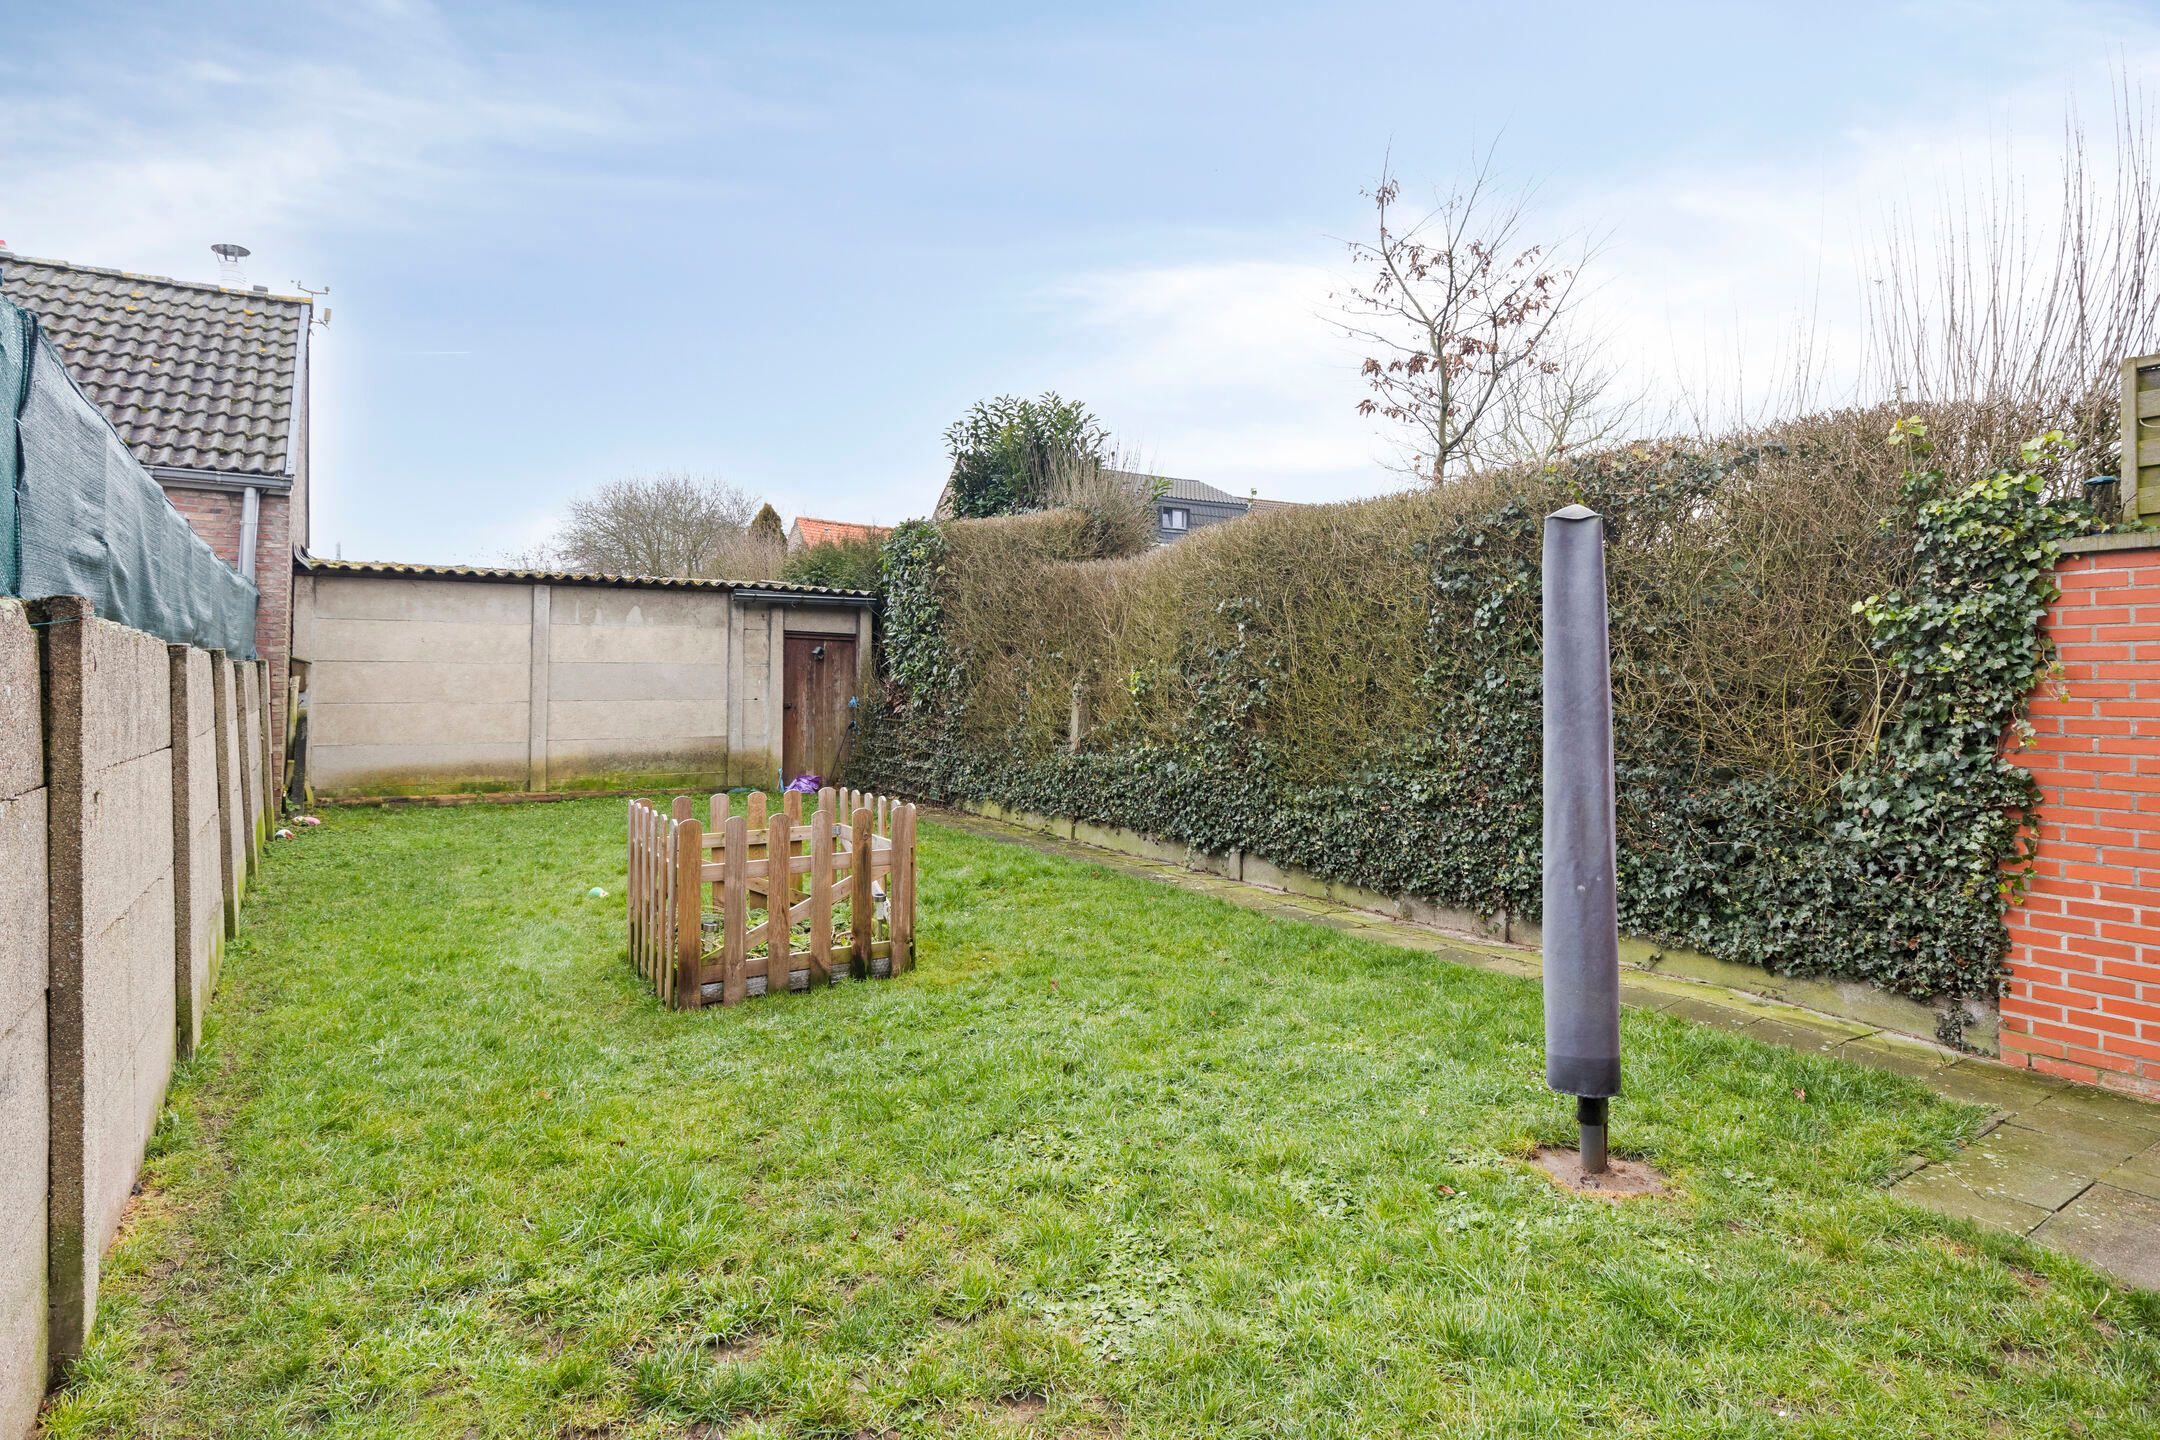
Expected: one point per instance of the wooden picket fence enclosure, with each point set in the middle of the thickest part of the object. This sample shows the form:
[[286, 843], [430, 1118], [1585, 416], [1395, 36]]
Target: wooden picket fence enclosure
[[848, 875]]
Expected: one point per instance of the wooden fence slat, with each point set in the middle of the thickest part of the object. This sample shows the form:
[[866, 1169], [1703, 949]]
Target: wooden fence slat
[[630, 881], [682, 809], [821, 875], [661, 915], [757, 838], [646, 820], [779, 845], [900, 890], [653, 886], [717, 808], [792, 802], [862, 906], [689, 915], [735, 913]]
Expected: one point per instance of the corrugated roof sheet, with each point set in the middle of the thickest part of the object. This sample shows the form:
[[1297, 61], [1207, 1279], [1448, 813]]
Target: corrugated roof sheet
[[316, 565], [193, 376]]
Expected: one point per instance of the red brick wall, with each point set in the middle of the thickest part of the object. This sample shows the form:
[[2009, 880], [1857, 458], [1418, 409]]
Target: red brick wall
[[215, 514], [2084, 964]]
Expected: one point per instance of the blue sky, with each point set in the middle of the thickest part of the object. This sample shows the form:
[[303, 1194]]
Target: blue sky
[[787, 244]]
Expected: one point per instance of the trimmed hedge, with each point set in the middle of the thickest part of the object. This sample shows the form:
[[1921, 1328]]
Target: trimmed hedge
[[1814, 668]]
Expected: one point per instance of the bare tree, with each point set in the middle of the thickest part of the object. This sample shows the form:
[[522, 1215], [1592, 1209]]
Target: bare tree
[[672, 524], [1574, 398], [2019, 321], [1457, 308]]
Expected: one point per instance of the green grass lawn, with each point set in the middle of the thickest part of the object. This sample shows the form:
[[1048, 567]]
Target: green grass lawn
[[1116, 1159]]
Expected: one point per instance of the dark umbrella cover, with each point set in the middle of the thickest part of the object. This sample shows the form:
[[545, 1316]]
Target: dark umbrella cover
[[1581, 930]]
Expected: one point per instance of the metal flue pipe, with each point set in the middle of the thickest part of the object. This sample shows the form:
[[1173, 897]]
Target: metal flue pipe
[[1582, 927]]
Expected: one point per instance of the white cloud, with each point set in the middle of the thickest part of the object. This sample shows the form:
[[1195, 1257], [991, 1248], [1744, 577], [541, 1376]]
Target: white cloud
[[1711, 281], [1229, 372]]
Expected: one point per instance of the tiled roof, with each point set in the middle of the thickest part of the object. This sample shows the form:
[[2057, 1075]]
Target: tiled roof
[[1182, 489], [316, 565], [838, 532], [1259, 506], [1200, 490], [193, 376]]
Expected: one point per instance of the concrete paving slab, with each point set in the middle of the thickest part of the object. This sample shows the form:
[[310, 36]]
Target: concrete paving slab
[[2019, 1139], [2045, 1138], [2114, 1230], [1891, 1052], [1943, 1192], [1987, 1171], [1642, 997], [1977, 1082], [2099, 1114], [1806, 1032], [2141, 1173], [1707, 1011]]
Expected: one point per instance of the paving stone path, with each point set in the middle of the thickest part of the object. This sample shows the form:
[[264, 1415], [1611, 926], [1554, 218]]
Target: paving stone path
[[2072, 1168]]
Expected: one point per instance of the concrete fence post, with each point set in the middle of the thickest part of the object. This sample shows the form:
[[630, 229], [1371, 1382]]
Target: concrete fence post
[[228, 788], [538, 691], [247, 697], [110, 991], [25, 1132], [198, 843], [267, 790]]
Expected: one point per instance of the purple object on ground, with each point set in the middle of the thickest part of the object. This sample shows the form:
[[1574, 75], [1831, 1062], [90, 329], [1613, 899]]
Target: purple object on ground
[[803, 785]]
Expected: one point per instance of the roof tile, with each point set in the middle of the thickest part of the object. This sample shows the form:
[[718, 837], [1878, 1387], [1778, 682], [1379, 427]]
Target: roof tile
[[193, 376]]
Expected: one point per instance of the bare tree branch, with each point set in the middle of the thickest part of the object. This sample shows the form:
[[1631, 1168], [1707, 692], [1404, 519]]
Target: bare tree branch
[[671, 525], [1458, 311]]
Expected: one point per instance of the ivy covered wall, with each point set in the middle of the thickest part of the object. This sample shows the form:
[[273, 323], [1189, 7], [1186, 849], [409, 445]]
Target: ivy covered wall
[[1815, 664]]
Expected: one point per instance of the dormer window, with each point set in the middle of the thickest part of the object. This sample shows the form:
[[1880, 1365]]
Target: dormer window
[[1176, 517]]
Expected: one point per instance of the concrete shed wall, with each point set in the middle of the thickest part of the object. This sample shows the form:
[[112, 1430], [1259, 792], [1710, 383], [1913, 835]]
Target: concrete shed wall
[[24, 1125], [426, 685]]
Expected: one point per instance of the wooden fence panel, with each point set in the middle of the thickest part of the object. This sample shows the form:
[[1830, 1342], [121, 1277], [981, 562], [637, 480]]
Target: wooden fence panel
[[856, 852]]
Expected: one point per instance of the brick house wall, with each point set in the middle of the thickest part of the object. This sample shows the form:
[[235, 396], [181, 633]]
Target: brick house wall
[[215, 515], [2083, 997]]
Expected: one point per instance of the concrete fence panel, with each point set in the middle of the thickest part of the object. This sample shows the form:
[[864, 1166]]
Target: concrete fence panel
[[24, 1126], [232, 805], [248, 682], [198, 841], [111, 1022]]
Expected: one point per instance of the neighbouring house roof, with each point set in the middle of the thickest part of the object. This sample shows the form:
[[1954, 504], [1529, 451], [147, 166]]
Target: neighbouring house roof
[[1195, 490], [316, 565], [806, 531], [1257, 505], [194, 376]]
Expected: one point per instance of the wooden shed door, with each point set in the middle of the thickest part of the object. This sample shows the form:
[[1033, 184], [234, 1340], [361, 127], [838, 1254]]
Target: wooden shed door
[[817, 681]]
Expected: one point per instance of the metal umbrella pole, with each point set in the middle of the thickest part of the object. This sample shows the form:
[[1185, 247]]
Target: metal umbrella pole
[[1582, 929]]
